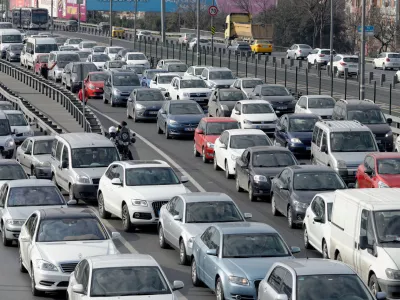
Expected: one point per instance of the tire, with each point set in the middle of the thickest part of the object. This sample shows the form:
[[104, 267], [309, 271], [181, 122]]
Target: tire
[[237, 185], [290, 218], [35, 292], [219, 290], [325, 253], [227, 175], [112, 102], [22, 269], [166, 132], [203, 156], [195, 152], [373, 284], [295, 57], [356, 185], [126, 219], [215, 165], [33, 172], [275, 212], [193, 272], [6, 242], [105, 101], [307, 244], [161, 238], [135, 120], [71, 193], [159, 131], [339, 257], [252, 198], [128, 115], [183, 259], [383, 67], [102, 210]]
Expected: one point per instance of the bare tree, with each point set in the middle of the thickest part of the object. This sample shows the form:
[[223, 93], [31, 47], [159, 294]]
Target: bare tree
[[245, 5], [385, 28]]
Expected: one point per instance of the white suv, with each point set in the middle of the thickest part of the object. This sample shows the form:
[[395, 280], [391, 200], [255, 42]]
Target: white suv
[[341, 62], [319, 57], [387, 60]]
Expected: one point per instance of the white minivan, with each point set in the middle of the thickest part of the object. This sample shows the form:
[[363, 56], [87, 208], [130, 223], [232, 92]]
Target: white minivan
[[35, 46], [7, 37], [365, 234]]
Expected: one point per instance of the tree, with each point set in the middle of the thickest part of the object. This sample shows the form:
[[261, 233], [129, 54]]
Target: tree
[[385, 28], [245, 5]]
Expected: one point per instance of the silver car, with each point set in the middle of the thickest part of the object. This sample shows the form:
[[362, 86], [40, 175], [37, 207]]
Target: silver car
[[144, 104], [188, 215], [34, 155], [298, 51], [7, 143], [20, 199]]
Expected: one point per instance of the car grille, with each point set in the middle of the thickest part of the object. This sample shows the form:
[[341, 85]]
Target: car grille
[[157, 206], [274, 104], [194, 95], [380, 135], [190, 124], [125, 94], [19, 134], [95, 180], [262, 122], [326, 117], [68, 267], [352, 166]]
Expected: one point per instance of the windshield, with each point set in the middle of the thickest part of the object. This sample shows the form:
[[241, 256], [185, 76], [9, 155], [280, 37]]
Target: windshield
[[12, 172], [66, 48], [214, 128], [83, 54], [212, 212], [198, 71], [138, 56], [136, 69], [61, 40], [165, 79], [303, 46], [177, 68], [116, 64], [4, 125], [185, 109], [35, 196], [332, 286], [15, 38], [98, 49], [150, 176], [302, 125], [323, 181], [75, 41], [46, 48], [95, 157], [88, 45], [394, 55], [221, 75], [351, 59], [273, 159], [126, 80], [352, 141], [128, 281], [246, 141], [6, 25], [114, 50], [74, 229], [82, 70], [16, 47], [253, 245], [98, 77], [43, 58], [258, 108], [6, 106], [149, 95], [388, 166], [190, 84], [64, 59], [274, 91], [370, 116], [387, 226], [321, 103], [100, 58], [251, 84], [17, 120], [42, 147], [231, 95], [40, 17]]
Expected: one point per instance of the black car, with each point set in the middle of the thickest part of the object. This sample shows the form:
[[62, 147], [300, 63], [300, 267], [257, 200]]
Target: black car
[[294, 188], [71, 25], [103, 26], [257, 166], [13, 52], [222, 101]]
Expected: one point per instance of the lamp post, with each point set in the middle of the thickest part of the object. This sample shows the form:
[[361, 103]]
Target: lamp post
[[331, 41], [198, 32], [362, 52], [51, 16], [163, 22], [111, 38], [396, 37], [134, 25]]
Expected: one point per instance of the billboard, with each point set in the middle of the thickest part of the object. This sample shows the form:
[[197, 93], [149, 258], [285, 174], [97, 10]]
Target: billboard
[[47, 4], [67, 9], [20, 3]]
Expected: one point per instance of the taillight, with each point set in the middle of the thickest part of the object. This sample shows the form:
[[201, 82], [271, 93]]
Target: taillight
[[258, 45], [387, 59], [343, 64], [321, 55], [270, 45], [299, 51]]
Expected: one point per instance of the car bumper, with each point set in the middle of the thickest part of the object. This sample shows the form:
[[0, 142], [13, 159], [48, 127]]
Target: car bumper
[[85, 191], [385, 144], [142, 215], [94, 93], [49, 281], [281, 110], [58, 75], [181, 130], [14, 58], [298, 214], [12, 232], [261, 189], [391, 288], [146, 115], [392, 65], [7, 153], [269, 129], [299, 148], [233, 291], [209, 152], [348, 175], [350, 71], [43, 172], [120, 100]]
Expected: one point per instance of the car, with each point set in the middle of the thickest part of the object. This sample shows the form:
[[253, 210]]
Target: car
[[223, 100], [144, 104], [281, 99], [162, 82], [218, 77], [71, 25], [13, 52], [20, 198], [113, 64], [162, 62], [10, 170], [193, 44], [261, 46], [132, 275], [118, 87], [247, 84], [231, 259], [343, 62], [188, 215], [208, 130], [74, 42], [294, 188], [143, 35], [83, 55], [19, 125], [103, 27], [194, 71], [53, 241], [138, 69], [298, 51], [387, 60], [148, 76], [294, 131], [255, 114], [257, 166], [60, 40], [320, 57], [179, 118], [118, 32], [240, 48], [7, 142], [112, 51], [57, 62], [379, 170], [136, 58], [148, 186], [6, 105], [185, 38], [34, 155], [41, 61], [67, 48], [99, 59], [231, 145], [317, 224], [86, 45], [308, 278], [98, 49], [121, 53], [75, 72], [175, 67], [94, 84], [321, 105]]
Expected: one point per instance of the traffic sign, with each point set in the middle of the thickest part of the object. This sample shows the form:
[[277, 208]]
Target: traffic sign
[[212, 30], [369, 30], [213, 10]]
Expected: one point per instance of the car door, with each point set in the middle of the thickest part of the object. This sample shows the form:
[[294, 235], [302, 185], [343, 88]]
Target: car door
[[163, 116], [314, 229], [63, 174], [236, 113], [301, 105], [315, 147], [242, 169], [26, 156], [273, 286], [280, 190], [56, 161], [107, 88], [25, 238], [174, 89], [3, 197], [175, 226], [107, 190], [118, 191], [31, 240], [368, 179], [323, 149], [223, 150], [210, 262], [21, 151], [199, 138]]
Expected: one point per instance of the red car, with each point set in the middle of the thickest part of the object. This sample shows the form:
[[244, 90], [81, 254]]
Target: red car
[[379, 170], [94, 84], [207, 132], [41, 60]]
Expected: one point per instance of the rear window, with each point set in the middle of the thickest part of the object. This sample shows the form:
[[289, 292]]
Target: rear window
[[326, 52], [351, 59], [203, 41], [394, 55], [305, 47]]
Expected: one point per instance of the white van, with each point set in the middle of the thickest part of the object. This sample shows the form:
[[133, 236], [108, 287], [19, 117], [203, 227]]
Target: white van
[[35, 46], [365, 234], [7, 37]]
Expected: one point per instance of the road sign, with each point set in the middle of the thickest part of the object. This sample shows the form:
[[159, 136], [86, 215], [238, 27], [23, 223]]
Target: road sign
[[369, 30], [212, 30], [213, 11]]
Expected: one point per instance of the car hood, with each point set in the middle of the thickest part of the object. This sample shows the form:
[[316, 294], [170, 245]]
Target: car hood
[[157, 192], [186, 118], [379, 128], [137, 62], [306, 196], [3, 139], [394, 255], [237, 152], [392, 180], [351, 158], [227, 82], [251, 268], [196, 90], [321, 111], [91, 172], [143, 297], [301, 135], [23, 212], [248, 91], [43, 157], [125, 88], [21, 129], [268, 172], [274, 99], [260, 117], [151, 104]]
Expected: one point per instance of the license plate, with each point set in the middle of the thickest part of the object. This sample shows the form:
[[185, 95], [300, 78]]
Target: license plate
[[308, 148], [352, 66], [189, 129], [152, 112], [282, 107]]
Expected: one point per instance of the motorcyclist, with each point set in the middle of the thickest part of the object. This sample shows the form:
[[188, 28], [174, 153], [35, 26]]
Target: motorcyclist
[[124, 139]]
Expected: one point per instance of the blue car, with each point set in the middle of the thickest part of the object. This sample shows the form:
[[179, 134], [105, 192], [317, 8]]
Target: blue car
[[179, 118], [148, 76], [232, 259], [294, 131]]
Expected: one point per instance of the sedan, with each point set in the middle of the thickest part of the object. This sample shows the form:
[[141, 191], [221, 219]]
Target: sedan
[[130, 276], [94, 84], [144, 104], [240, 48], [321, 105], [222, 101], [56, 240], [188, 215], [74, 42], [13, 52], [231, 259]]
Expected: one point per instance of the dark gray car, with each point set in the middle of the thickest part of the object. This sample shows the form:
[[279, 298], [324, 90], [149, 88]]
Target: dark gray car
[[144, 104], [13, 52], [118, 87], [294, 188], [75, 72], [222, 101]]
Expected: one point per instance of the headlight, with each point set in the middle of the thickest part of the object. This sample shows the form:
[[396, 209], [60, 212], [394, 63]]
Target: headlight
[[210, 145], [341, 164], [392, 274], [29, 133], [91, 86], [139, 202], [260, 178], [247, 122], [44, 164], [390, 133], [82, 179], [9, 143], [15, 222], [238, 280], [186, 95], [234, 157], [295, 141], [224, 107], [190, 242], [45, 265], [381, 184], [299, 204], [139, 106], [172, 122], [116, 92]]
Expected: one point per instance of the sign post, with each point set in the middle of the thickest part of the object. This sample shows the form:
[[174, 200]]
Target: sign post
[[369, 30], [213, 11], [79, 2]]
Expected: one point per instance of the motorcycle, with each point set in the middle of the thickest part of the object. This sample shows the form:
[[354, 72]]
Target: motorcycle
[[123, 148]]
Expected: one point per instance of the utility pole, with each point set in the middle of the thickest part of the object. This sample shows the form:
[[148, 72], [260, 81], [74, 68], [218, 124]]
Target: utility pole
[[111, 8], [212, 36], [331, 41], [134, 25], [396, 37], [51, 16], [362, 65], [79, 14], [163, 22], [198, 32]]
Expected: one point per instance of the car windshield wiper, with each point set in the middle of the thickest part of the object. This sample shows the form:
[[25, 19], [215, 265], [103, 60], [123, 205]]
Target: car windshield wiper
[[390, 241]]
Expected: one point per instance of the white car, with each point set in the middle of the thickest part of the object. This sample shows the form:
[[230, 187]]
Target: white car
[[342, 62], [112, 51], [397, 144], [19, 125], [136, 58], [143, 35], [74, 42], [298, 51], [87, 46], [188, 215], [387, 60], [255, 114], [99, 59], [53, 241], [162, 81], [123, 276], [398, 76], [231, 145], [321, 105], [317, 223], [134, 191], [189, 88], [162, 62], [203, 43], [319, 57], [194, 71], [247, 85], [175, 67]]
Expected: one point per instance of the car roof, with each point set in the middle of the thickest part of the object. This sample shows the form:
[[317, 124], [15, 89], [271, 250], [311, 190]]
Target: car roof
[[244, 131], [268, 149], [339, 126], [131, 164], [244, 227], [328, 196], [86, 139], [218, 69], [310, 168], [70, 213], [122, 260], [381, 155], [272, 84], [181, 101], [134, 52], [373, 199], [124, 72], [169, 74], [317, 96], [254, 101], [205, 197], [302, 116], [42, 138], [360, 103], [218, 119], [30, 183], [4, 162], [65, 52], [2, 112], [315, 266]]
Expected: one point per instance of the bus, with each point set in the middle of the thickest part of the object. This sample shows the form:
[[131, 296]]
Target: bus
[[30, 18]]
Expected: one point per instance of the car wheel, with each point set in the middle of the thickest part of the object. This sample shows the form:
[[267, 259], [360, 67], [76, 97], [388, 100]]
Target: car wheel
[[195, 152], [71, 194], [35, 292], [356, 185], [313, 161], [275, 211], [161, 238], [183, 259], [5, 240], [227, 174], [290, 217], [295, 56], [112, 103], [159, 130], [325, 253], [195, 280], [215, 164], [105, 101], [135, 120], [374, 65], [22, 269], [203, 156], [102, 209], [219, 290], [383, 67], [128, 115], [339, 257], [307, 244], [237, 185], [166, 132], [252, 198], [126, 219], [374, 285]]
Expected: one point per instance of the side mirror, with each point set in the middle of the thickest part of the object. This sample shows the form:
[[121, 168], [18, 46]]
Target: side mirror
[[177, 218], [248, 215], [295, 250], [199, 131], [115, 235], [281, 297], [64, 164], [72, 202], [318, 220], [364, 243], [184, 179], [238, 113], [380, 296], [368, 172], [78, 289], [212, 252], [32, 52], [177, 285], [324, 148], [351, 185], [28, 152], [116, 181], [389, 121]]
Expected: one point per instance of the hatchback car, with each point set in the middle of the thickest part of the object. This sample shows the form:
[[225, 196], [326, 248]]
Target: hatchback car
[[87, 46], [144, 104], [74, 42], [223, 100], [118, 87], [247, 84], [13, 52], [319, 57], [342, 62], [321, 105], [94, 84], [387, 60], [298, 51]]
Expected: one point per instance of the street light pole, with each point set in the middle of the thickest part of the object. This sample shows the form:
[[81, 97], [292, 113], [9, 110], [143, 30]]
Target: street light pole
[[51, 16], [198, 32], [79, 15], [111, 9], [362, 52], [396, 37], [331, 41], [163, 22], [134, 25]]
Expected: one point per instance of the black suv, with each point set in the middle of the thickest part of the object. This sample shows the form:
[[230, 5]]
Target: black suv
[[369, 114]]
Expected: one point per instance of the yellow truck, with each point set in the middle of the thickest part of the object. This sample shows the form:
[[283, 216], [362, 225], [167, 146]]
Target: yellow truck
[[239, 26]]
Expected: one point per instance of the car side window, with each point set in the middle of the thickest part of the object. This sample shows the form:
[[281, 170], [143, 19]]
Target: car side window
[[79, 271], [276, 278], [119, 173], [237, 106], [244, 156], [110, 171], [315, 134], [318, 207], [190, 71], [284, 125], [24, 145], [319, 138], [215, 241], [65, 156], [179, 208], [366, 228], [324, 140], [369, 163], [29, 147], [58, 150], [85, 277], [302, 102], [171, 206], [28, 223], [284, 176], [287, 285], [224, 138], [32, 226], [206, 236]]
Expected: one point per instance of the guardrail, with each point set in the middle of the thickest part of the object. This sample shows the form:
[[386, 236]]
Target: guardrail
[[69, 101]]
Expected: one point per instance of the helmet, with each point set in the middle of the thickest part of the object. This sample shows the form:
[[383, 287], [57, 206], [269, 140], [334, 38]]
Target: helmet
[[112, 129], [123, 123]]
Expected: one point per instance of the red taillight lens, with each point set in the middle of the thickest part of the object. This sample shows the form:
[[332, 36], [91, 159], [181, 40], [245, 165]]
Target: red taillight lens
[[299, 51], [343, 64], [387, 59], [321, 55]]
